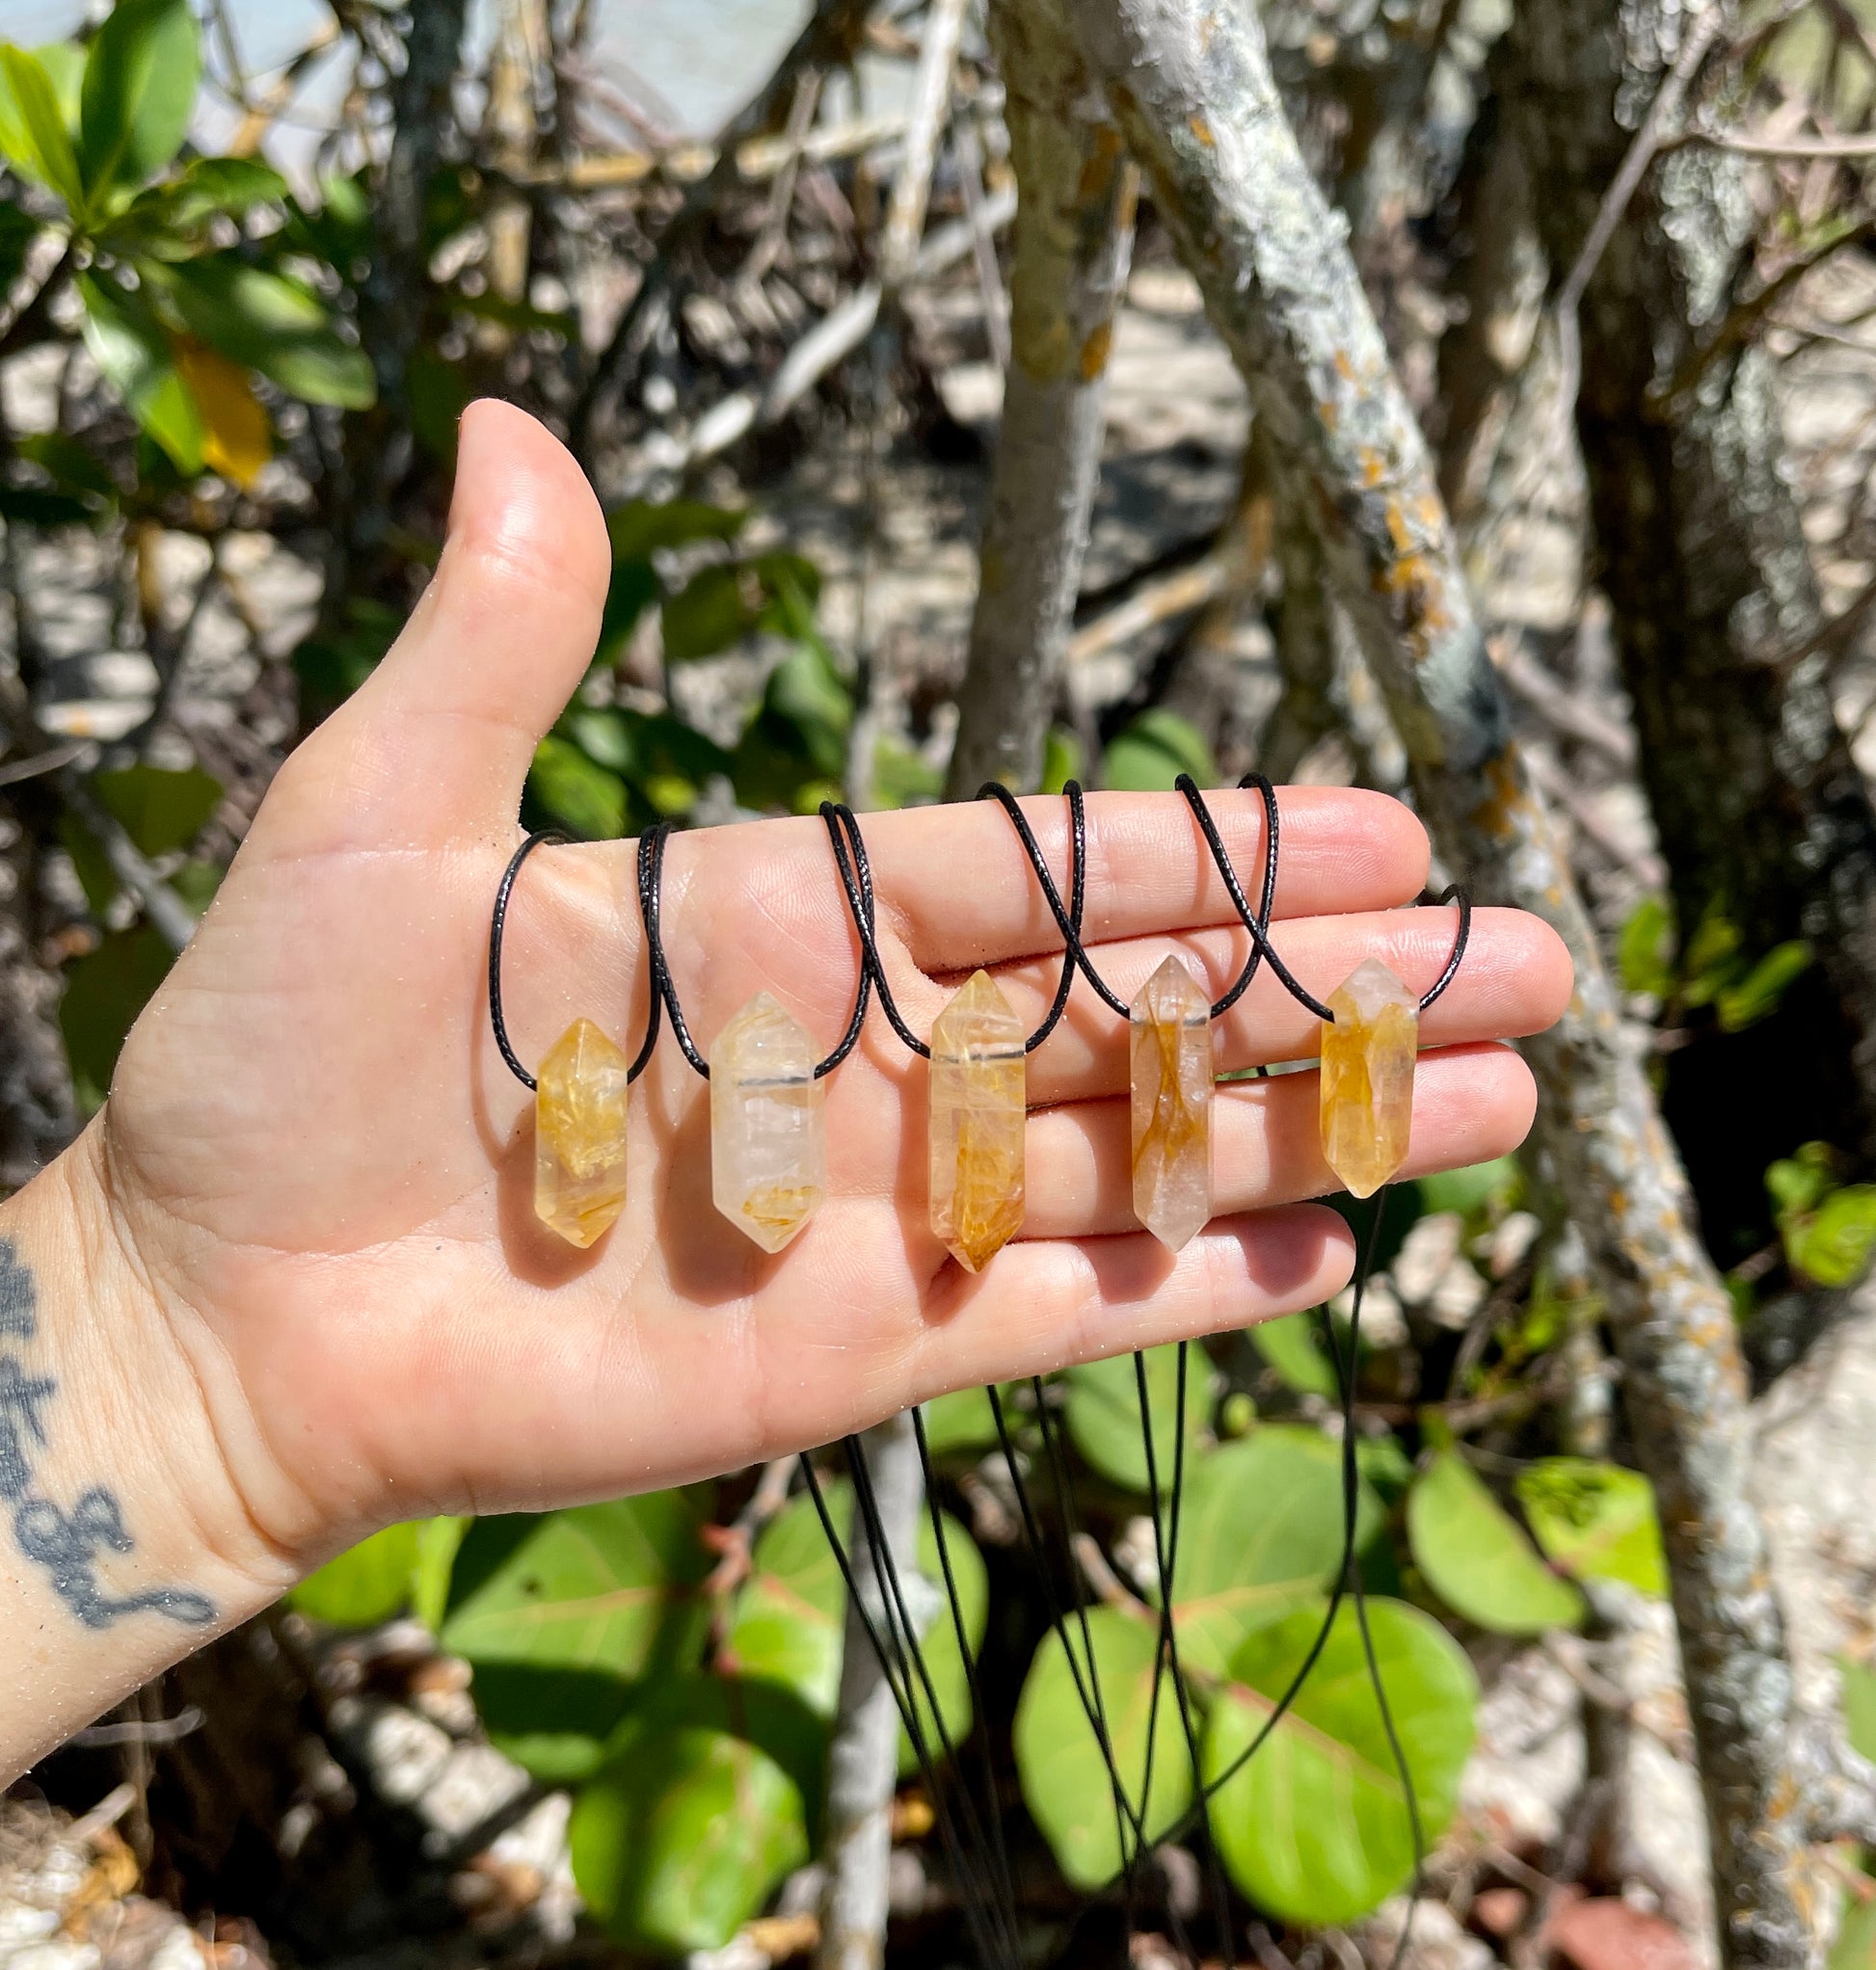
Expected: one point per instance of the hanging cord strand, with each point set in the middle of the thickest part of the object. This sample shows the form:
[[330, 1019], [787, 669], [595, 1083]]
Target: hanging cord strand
[[1166, 1558], [993, 1807], [856, 879], [651, 906], [499, 930], [978, 1878], [891, 1667], [1346, 1372], [1039, 1558]]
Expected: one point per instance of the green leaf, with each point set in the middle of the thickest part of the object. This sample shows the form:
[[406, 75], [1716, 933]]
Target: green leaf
[[439, 392], [789, 1623], [1757, 995], [960, 1422], [1151, 753], [796, 743], [63, 62], [1858, 1706], [576, 793], [1065, 1777], [1103, 1413], [67, 462], [105, 991], [1314, 1827], [721, 604], [1468, 1190], [688, 1829], [633, 590], [330, 668], [365, 1585], [1261, 1532], [641, 527], [1831, 1245], [563, 1616], [1290, 1350], [1063, 758], [141, 79], [40, 507], [1644, 951], [210, 188], [162, 810], [786, 1629], [33, 132], [438, 1542], [270, 323], [1854, 1948], [1797, 1183], [1595, 1520], [1477, 1558], [901, 777], [133, 353]]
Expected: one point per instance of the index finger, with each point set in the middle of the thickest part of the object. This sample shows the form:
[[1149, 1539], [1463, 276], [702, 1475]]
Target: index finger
[[956, 886]]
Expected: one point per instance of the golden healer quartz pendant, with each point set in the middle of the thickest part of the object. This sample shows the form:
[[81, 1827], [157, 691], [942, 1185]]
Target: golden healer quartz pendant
[[579, 1136], [980, 1092], [1170, 1029], [1368, 1060], [768, 1132]]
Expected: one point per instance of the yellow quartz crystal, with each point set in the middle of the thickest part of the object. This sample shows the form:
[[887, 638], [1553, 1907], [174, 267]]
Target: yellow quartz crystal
[[768, 1138], [1169, 1025], [580, 1134], [1368, 1077], [978, 1106]]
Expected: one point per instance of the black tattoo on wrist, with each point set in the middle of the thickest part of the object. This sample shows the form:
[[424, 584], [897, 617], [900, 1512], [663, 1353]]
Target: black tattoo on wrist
[[68, 1545]]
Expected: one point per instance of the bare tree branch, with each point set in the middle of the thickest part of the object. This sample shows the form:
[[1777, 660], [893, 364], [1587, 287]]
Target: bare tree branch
[[1198, 101], [1074, 238]]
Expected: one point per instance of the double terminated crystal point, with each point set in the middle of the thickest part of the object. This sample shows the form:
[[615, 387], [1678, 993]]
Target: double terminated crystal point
[[1368, 1077], [1170, 1028], [580, 1134], [980, 1091], [768, 1132]]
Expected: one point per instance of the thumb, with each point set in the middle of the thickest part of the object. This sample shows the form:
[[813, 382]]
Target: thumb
[[434, 746]]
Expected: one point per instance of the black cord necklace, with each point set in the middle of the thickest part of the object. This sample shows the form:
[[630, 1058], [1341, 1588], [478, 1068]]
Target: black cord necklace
[[973, 1841]]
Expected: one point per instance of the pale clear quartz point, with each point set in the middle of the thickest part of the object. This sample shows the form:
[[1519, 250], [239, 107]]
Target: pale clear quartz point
[[1368, 1059], [769, 1130], [980, 1083], [1170, 1028]]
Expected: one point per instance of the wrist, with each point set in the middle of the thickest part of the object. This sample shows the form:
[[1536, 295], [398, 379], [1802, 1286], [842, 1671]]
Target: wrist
[[125, 1538]]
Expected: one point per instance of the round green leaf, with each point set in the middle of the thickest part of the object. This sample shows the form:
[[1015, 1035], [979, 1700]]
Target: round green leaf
[[1477, 1558], [162, 809], [787, 1621], [686, 1833], [1103, 1412], [368, 1584], [1154, 750], [789, 1627], [562, 1615], [1314, 1827], [1595, 1520], [139, 92], [1065, 1777], [1289, 1348], [1261, 1529]]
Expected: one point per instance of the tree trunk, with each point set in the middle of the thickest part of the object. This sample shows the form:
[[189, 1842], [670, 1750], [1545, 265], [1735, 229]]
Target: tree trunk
[[1195, 97], [1074, 236], [1763, 818]]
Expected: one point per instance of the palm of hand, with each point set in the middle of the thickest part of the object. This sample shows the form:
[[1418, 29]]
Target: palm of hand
[[315, 1151]]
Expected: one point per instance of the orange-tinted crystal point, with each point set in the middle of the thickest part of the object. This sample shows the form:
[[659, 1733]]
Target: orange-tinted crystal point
[[979, 1086], [1171, 1033], [1368, 1077], [580, 1134]]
